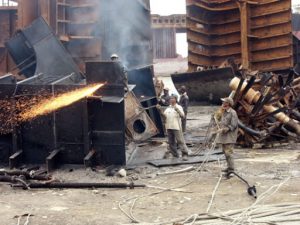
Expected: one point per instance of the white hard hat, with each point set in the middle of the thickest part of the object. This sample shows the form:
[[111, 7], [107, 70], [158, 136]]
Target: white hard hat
[[114, 56]]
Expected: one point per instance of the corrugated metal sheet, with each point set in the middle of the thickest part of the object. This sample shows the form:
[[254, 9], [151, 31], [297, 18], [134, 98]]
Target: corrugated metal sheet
[[164, 43], [258, 33]]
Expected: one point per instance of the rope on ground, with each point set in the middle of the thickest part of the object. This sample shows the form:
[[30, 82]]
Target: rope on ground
[[215, 189], [201, 148], [186, 182], [19, 220], [260, 199], [27, 219]]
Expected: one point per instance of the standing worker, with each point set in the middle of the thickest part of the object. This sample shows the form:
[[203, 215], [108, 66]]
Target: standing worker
[[115, 58], [164, 100], [227, 123], [173, 115], [184, 102]]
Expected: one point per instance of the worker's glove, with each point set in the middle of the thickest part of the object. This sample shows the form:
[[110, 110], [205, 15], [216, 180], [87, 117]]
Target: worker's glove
[[176, 109], [214, 131], [224, 130]]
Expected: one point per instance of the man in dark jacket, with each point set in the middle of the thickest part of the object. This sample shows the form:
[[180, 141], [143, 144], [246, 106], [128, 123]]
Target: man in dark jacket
[[164, 100], [115, 58], [184, 102], [227, 131]]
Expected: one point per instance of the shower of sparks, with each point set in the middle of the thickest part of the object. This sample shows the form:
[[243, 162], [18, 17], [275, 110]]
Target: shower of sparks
[[57, 102]]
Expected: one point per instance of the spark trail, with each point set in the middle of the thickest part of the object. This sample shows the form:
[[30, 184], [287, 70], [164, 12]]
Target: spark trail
[[57, 102]]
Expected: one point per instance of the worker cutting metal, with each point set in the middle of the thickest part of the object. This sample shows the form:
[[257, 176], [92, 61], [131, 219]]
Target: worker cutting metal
[[226, 121], [115, 58]]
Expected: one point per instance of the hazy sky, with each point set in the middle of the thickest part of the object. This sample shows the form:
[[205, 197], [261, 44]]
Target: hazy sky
[[167, 7]]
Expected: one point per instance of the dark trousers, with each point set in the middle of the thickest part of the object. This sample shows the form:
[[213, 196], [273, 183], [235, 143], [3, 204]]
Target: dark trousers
[[183, 122], [175, 137], [228, 151]]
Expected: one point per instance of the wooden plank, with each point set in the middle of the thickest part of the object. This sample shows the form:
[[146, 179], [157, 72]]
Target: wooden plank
[[191, 160]]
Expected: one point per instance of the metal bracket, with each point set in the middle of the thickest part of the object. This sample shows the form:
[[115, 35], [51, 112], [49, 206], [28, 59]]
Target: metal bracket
[[89, 159], [51, 160], [15, 159]]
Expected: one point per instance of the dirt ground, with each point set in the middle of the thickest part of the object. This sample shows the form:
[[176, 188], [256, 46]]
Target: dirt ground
[[261, 167]]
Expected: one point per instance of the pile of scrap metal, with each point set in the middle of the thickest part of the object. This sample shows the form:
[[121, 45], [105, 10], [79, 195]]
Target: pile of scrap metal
[[267, 106], [257, 34], [37, 178], [90, 131]]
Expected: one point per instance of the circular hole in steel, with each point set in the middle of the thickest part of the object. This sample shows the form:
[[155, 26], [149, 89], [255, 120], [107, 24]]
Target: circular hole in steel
[[139, 126]]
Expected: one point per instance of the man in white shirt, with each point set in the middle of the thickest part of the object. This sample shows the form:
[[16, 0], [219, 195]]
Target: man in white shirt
[[173, 115]]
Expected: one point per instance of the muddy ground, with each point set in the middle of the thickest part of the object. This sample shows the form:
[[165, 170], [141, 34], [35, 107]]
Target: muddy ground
[[262, 168]]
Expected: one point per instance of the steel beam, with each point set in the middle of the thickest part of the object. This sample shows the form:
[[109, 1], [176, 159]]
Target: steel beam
[[15, 159], [51, 160], [89, 159]]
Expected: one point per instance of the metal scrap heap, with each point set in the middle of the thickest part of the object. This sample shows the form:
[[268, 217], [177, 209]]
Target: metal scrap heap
[[268, 107]]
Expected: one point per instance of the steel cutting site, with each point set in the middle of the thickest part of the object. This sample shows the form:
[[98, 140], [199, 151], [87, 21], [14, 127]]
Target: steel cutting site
[[148, 112]]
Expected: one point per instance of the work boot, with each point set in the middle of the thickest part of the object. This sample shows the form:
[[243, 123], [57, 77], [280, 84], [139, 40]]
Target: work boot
[[225, 170], [185, 157], [229, 173], [175, 154], [167, 155]]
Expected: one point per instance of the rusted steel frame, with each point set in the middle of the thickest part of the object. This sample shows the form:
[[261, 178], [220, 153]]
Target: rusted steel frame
[[252, 96], [244, 15], [207, 22], [203, 6]]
